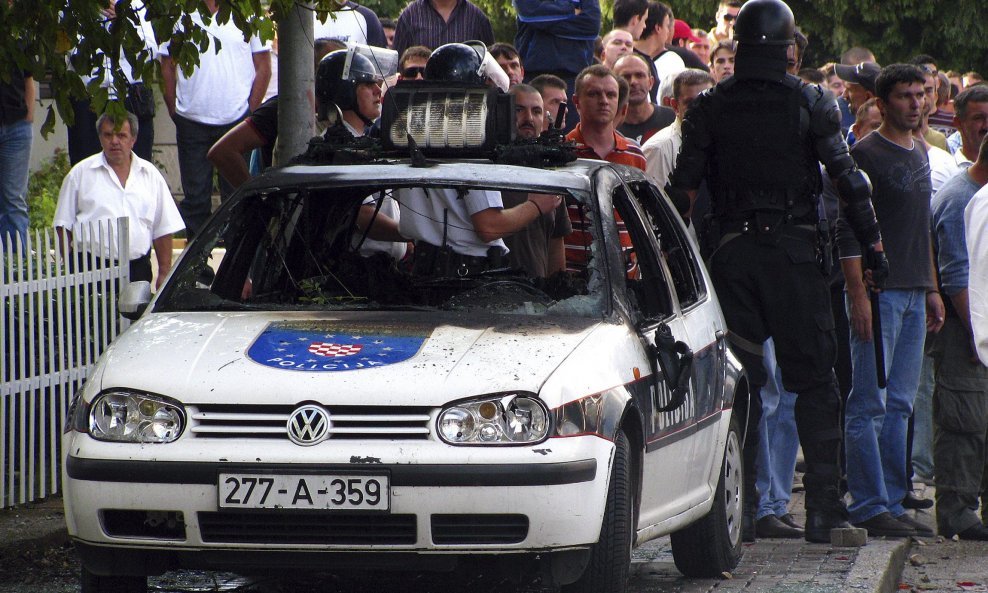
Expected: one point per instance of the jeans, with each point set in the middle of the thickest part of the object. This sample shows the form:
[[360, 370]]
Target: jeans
[[15, 157], [779, 442], [876, 419], [922, 457], [194, 141]]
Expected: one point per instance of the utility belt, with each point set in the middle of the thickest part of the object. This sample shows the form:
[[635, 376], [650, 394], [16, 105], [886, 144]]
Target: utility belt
[[429, 260], [768, 227]]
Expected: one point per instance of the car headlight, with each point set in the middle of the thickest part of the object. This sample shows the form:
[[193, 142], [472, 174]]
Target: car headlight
[[512, 419], [131, 417]]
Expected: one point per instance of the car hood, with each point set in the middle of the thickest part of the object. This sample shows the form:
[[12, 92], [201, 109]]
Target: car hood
[[356, 358]]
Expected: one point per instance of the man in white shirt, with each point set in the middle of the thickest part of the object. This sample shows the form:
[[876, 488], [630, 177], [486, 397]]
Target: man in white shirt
[[83, 140], [117, 183], [971, 119], [975, 223], [662, 149], [228, 84]]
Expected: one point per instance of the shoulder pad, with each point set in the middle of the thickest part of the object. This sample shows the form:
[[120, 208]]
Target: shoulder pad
[[813, 93], [825, 116], [792, 81]]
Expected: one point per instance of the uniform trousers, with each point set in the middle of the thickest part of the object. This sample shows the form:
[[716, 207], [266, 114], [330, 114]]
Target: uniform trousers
[[772, 286]]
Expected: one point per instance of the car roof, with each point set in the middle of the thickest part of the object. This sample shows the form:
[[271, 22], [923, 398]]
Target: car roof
[[469, 173]]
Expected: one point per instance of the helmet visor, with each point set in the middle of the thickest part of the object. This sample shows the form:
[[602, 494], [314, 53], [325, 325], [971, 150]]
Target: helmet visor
[[370, 64]]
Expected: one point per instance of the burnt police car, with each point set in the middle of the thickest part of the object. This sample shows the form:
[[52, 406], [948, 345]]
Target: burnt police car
[[314, 406]]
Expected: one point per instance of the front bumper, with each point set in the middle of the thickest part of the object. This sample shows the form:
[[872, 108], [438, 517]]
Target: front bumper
[[447, 502]]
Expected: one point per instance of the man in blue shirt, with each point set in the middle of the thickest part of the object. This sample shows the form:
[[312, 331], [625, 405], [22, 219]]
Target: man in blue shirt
[[960, 413], [557, 37]]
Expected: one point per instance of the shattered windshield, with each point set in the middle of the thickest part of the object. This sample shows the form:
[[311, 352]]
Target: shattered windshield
[[391, 248]]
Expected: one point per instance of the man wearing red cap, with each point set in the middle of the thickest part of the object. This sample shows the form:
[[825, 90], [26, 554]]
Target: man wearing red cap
[[682, 37]]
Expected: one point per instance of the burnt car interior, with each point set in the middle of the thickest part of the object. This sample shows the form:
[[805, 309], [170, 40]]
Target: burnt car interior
[[297, 248]]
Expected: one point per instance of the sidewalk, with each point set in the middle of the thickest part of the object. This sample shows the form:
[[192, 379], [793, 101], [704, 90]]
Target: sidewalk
[[783, 566]]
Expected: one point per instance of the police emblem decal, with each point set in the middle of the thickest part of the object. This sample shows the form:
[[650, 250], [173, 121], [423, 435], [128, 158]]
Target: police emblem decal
[[328, 347]]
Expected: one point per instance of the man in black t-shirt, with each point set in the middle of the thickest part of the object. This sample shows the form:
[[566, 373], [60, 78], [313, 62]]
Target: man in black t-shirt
[[910, 306]]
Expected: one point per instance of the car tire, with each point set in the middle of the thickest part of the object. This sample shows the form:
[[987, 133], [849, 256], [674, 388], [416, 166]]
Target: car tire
[[94, 583], [610, 558], [711, 546]]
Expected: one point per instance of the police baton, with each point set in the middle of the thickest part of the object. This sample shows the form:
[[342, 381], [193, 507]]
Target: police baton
[[876, 338]]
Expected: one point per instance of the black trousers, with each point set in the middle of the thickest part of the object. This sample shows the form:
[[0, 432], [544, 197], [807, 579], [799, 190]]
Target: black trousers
[[140, 268], [773, 287]]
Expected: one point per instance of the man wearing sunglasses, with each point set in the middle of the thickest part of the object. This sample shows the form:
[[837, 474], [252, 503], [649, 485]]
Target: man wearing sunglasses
[[411, 66], [727, 12]]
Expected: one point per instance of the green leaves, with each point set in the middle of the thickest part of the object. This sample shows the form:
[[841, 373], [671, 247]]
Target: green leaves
[[62, 41], [954, 32]]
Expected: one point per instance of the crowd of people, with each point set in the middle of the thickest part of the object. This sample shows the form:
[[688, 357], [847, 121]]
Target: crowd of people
[[752, 146]]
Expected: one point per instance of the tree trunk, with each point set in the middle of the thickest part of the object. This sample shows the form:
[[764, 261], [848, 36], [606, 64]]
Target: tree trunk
[[296, 102]]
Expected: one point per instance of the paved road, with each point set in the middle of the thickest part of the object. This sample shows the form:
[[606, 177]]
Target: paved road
[[769, 566], [36, 558]]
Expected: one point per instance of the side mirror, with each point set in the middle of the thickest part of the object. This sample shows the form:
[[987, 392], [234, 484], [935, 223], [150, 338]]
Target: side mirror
[[134, 299], [676, 363]]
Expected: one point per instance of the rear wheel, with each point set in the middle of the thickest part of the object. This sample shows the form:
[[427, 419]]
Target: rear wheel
[[94, 583], [610, 557], [712, 545]]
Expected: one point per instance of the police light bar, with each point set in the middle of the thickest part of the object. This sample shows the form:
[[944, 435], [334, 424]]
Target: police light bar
[[445, 119]]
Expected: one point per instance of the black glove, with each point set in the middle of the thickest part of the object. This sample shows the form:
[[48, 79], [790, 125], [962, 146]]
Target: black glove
[[879, 266]]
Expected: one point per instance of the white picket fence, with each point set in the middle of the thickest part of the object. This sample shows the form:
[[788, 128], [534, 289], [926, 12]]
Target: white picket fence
[[59, 314]]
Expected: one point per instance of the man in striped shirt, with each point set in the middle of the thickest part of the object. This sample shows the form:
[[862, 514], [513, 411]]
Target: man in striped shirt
[[597, 102]]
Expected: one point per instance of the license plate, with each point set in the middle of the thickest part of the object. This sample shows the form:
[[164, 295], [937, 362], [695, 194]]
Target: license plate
[[281, 491]]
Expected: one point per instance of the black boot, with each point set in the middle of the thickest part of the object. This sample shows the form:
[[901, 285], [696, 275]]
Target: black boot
[[825, 510], [819, 522]]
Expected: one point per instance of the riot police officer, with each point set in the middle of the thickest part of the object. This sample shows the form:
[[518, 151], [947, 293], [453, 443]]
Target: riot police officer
[[758, 138], [348, 88]]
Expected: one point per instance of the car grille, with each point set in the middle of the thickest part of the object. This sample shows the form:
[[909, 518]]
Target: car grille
[[307, 528], [479, 529], [348, 422]]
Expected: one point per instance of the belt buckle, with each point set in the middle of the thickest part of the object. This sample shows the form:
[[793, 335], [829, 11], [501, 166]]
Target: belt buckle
[[462, 271]]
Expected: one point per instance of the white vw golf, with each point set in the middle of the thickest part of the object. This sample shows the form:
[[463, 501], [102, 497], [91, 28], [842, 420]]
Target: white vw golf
[[309, 406]]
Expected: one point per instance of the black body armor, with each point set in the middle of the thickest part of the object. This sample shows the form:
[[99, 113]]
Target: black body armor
[[762, 159]]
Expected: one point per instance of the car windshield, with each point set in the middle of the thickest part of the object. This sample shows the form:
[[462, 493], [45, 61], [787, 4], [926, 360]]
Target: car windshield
[[315, 249]]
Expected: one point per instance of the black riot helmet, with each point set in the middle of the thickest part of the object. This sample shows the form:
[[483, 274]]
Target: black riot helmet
[[337, 78], [455, 62], [765, 22], [468, 63]]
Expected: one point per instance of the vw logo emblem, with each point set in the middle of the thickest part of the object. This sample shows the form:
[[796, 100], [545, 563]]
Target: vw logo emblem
[[309, 425]]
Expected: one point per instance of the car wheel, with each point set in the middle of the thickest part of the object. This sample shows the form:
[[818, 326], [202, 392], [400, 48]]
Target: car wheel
[[94, 583], [610, 558], [712, 546]]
